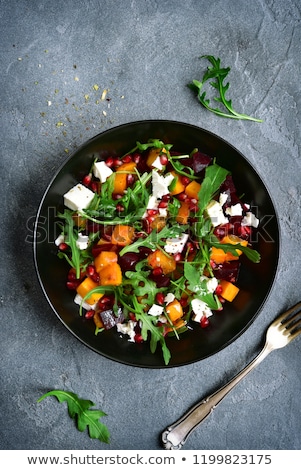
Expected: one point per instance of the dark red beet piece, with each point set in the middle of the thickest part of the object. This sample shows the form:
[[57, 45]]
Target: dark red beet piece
[[128, 261], [228, 271], [109, 319], [200, 161]]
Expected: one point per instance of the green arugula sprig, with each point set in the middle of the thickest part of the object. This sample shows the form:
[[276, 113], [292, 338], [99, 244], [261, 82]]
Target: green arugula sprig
[[217, 75], [79, 410]]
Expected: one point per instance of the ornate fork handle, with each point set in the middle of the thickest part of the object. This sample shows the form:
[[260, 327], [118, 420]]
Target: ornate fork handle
[[174, 436]]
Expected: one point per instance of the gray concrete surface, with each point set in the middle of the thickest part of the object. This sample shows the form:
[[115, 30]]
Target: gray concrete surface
[[144, 52]]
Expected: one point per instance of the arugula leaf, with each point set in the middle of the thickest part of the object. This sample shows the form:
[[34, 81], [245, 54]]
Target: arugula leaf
[[219, 74], [79, 410], [214, 177], [252, 254]]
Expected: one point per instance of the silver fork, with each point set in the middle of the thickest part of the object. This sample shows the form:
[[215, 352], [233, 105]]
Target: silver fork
[[281, 332]]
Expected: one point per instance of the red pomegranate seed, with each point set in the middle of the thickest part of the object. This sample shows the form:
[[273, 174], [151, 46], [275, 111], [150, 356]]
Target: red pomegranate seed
[[166, 197], [157, 271], [138, 338], [185, 180], [127, 159], [163, 204], [95, 277], [219, 290], [119, 207], [109, 162], [136, 157], [130, 179], [90, 270], [72, 285], [94, 186], [71, 275], [152, 212], [89, 314], [163, 159], [63, 246], [117, 162], [204, 322], [177, 257], [182, 196], [160, 298], [132, 316], [87, 179], [183, 302]]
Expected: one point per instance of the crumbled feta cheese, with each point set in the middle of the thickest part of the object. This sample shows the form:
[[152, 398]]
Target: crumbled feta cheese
[[175, 245], [160, 184], [200, 309], [250, 220], [157, 163], [78, 197], [101, 171], [60, 239], [127, 328], [223, 198], [234, 210], [82, 241], [211, 283], [155, 310], [215, 212], [79, 301], [169, 298]]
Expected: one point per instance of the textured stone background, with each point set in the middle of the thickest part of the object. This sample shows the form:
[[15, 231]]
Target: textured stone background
[[144, 52]]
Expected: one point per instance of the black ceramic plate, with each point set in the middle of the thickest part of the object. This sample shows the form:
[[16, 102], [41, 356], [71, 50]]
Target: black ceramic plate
[[255, 280]]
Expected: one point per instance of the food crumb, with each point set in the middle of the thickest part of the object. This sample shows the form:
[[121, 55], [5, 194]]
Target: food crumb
[[95, 87]]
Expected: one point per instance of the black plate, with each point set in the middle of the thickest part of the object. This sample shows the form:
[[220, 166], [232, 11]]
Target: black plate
[[255, 280]]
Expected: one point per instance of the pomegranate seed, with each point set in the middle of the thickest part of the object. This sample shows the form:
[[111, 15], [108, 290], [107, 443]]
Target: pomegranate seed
[[219, 290], [89, 314], [152, 212], [157, 271], [166, 197], [204, 322], [95, 277], [177, 257], [183, 302], [87, 179], [136, 157], [94, 186], [190, 247], [138, 338], [119, 207], [90, 270], [63, 246], [130, 179], [182, 196], [163, 160], [71, 275], [116, 196], [117, 162], [132, 316], [160, 298], [185, 180], [127, 159], [109, 162], [163, 204], [72, 285]]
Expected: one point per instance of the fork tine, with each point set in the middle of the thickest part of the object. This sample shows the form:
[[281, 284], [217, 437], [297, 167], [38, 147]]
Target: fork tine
[[287, 315]]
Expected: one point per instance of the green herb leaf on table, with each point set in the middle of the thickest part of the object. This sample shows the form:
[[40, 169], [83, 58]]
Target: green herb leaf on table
[[218, 74], [79, 410]]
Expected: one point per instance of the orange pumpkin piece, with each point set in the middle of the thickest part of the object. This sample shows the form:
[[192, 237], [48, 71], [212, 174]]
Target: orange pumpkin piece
[[233, 240], [183, 213], [120, 180], [85, 287], [178, 186], [219, 256], [104, 258], [174, 311], [229, 290], [152, 156], [123, 235], [110, 275], [192, 189], [158, 259]]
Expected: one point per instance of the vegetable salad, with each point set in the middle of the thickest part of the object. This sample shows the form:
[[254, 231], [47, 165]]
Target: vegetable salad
[[154, 240]]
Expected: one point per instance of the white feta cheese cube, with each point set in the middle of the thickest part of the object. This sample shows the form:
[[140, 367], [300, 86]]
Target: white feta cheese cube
[[155, 310], [79, 301], [60, 239], [223, 198], [215, 212], [175, 245], [101, 171], [234, 210], [200, 309], [82, 241], [250, 220], [160, 184], [127, 328], [211, 283], [79, 197], [157, 163], [169, 298]]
